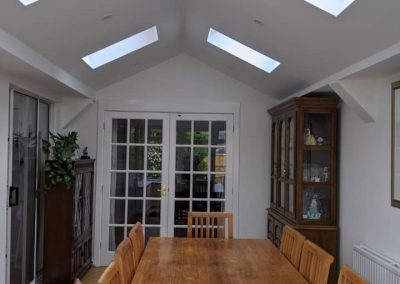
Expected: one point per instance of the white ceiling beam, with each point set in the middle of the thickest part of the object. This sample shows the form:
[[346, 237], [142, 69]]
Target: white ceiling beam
[[360, 95], [352, 69], [23, 52]]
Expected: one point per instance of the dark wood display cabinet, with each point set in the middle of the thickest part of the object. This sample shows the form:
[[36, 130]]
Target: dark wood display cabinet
[[303, 172], [68, 227]]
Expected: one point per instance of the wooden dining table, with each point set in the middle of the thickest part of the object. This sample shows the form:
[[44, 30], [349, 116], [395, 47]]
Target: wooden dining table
[[191, 260]]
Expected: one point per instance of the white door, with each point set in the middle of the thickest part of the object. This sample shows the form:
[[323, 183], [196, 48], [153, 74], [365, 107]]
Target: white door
[[200, 172], [160, 166], [135, 177]]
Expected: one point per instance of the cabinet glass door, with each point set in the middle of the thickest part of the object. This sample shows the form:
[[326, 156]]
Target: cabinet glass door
[[274, 170], [291, 160], [317, 168], [282, 164]]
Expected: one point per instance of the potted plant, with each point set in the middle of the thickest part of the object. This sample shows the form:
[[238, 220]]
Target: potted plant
[[58, 203], [61, 150]]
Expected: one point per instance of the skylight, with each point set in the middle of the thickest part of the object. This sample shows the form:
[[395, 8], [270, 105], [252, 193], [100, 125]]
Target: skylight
[[121, 48], [241, 51], [334, 7], [28, 2]]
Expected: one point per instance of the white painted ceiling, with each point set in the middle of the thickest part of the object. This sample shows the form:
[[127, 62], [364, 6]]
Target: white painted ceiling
[[310, 44]]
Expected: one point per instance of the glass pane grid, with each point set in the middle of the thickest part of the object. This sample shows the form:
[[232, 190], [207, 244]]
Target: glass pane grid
[[129, 201], [207, 170]]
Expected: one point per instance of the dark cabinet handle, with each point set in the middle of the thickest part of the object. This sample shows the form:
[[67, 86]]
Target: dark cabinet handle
[[13, 198]]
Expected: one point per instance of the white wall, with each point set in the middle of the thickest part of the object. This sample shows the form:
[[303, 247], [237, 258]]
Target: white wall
[[366, 215], [183, 79]]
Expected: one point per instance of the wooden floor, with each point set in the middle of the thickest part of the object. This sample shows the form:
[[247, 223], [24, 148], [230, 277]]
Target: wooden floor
[[93, 275]]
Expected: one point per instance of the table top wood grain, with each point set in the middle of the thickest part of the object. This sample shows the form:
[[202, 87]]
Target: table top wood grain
[[187, 260]]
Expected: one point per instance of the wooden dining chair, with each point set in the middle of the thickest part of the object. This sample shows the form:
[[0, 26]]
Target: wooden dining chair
[[349, 276], [137, 238], [124, 259], [111, 275], [315, 263], [209, 224], [291, 245]]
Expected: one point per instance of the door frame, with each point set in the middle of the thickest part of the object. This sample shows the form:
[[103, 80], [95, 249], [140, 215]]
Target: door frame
[[163, 106], [12, 90]]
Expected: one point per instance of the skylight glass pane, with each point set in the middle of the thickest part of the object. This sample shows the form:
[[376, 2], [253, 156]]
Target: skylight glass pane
[[27, 2], [241, 51], [334, 7], [121, 48]]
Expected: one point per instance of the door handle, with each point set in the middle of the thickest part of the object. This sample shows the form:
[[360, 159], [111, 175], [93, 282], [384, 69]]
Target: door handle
[[13, 197], [164, 191]]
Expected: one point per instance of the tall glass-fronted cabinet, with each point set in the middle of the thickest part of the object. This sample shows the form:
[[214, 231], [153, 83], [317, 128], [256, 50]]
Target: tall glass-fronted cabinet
[[303, 170]]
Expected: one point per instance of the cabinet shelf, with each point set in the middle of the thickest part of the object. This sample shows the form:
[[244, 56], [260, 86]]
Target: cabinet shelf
[[317, 147], [316, 184]]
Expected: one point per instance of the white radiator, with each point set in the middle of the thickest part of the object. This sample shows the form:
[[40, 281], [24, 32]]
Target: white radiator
[[374, 266]]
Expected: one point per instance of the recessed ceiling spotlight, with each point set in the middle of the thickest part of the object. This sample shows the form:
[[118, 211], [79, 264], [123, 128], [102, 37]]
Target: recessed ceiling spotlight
[[121, 48], [106, 17], [241, 51], [258, 21], [27, 2], [333, 7]]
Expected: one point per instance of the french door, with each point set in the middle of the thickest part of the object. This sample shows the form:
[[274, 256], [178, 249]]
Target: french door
[[29, 124], [160, 166]]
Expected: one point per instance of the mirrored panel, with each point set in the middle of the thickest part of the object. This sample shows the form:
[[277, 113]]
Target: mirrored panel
[[200, 136], [153, 209], [218, 160], [119, 130], [183, 132], [118, 157], [200, 159], [155, 131], [200, 186], [116, 235], [182, 185], [117, 211], [135, 185], [153, 185], [135, 211], [183, 159], [136, 157], [218, 133], [118, 181], [137, 130]]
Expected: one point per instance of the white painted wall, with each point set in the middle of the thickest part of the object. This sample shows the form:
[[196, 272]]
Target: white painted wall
[[183, 80], [366, 215]]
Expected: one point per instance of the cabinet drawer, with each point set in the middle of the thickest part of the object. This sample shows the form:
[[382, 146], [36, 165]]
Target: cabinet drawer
[[270, 228], [278, 227]]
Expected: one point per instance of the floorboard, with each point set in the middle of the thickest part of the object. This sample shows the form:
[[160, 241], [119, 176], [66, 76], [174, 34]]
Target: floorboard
[[93, 275]]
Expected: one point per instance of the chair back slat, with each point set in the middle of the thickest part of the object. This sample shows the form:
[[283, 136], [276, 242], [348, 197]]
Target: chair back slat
[[125, 261], [137, 238], [349, 276], [210, 224], [315, 263], [291, 245], [111, 275]]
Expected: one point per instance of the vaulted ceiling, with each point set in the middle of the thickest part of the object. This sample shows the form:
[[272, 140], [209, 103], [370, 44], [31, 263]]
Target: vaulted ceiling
[[310, 44]]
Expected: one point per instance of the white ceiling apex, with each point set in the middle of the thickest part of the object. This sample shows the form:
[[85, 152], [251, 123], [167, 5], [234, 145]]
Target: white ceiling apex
[[311, 45]]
